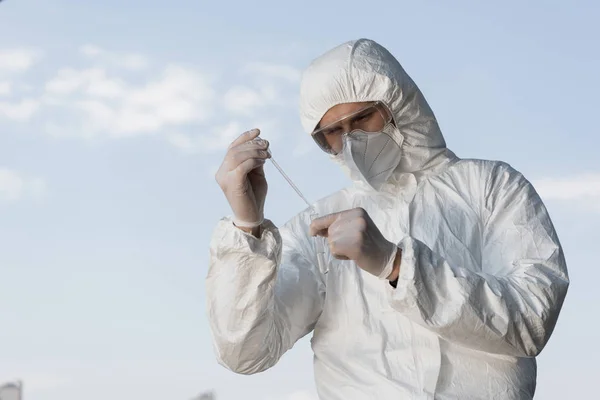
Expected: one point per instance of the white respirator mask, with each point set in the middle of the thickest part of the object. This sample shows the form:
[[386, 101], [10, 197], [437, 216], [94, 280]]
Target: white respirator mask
[[370, 145], [372, 156]]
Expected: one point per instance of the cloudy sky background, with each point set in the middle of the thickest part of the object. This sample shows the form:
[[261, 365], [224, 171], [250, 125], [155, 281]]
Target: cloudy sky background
[[114, 118]]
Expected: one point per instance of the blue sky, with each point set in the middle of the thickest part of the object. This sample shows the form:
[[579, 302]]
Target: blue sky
[[114, 118]]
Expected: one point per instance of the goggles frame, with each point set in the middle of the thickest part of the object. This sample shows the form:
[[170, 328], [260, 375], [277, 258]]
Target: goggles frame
[[320, 132]]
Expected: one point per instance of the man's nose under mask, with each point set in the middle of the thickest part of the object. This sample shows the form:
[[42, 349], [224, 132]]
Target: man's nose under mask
[[372, 157]]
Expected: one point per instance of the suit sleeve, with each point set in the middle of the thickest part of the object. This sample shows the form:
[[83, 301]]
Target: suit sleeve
[[263, 294], [511, 303]]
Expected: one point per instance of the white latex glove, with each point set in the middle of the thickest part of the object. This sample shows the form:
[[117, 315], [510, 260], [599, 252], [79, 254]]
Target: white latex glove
[[242, 178], [352, 235]]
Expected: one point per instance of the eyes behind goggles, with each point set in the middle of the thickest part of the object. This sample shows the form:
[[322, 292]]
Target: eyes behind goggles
[[373, 118]]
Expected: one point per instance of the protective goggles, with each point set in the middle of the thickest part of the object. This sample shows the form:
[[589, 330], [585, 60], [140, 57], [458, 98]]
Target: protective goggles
[[370, 119]]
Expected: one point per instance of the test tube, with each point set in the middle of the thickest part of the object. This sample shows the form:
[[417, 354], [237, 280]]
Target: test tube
[[319, 245]]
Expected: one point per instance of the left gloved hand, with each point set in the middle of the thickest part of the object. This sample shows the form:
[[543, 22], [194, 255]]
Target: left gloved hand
[[352, 235]]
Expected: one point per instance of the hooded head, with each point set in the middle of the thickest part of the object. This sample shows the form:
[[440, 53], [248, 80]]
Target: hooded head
[[364, 71]]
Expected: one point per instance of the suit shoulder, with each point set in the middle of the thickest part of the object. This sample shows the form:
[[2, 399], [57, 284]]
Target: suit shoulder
[[492, 172]]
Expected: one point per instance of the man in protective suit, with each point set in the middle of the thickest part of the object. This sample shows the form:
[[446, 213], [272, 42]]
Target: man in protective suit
[[439, 278]]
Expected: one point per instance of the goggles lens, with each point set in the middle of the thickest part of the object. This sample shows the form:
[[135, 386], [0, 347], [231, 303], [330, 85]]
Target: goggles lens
[[371, 119]]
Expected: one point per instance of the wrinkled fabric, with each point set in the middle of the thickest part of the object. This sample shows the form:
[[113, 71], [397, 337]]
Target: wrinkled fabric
[[482, 274]]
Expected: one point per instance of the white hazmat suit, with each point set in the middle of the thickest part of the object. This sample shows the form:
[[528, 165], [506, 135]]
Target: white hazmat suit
[[482, 274]]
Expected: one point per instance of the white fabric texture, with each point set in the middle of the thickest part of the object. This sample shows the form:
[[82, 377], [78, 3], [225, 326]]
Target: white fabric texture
[[482, 274], [371, 157]]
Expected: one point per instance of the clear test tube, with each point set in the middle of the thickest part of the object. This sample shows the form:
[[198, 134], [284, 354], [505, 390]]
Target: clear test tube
[[319, 242], [320, 247]]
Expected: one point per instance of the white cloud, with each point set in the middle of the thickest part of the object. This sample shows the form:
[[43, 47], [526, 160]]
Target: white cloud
[[5, 88], [242, 100], [99, 101], [583, 189], [20, 111], [270, 129], [14, 186], [93, 82], [89, 50], [109, 106], [17, 60], [134, 62], [186, 143], [217, 140], [245, 101], [130, 61]]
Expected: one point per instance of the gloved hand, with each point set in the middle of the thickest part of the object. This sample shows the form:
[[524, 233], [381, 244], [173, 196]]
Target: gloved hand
[[242, 178], [352, 235]]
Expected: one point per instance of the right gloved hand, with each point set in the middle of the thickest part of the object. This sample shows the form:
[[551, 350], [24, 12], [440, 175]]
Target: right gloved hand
[[242, 178]]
